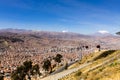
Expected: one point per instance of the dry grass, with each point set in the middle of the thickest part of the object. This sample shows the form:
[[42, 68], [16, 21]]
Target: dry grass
[[86, 59], [109, 71]]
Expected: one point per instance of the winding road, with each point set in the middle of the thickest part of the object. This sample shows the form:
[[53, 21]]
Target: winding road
[[64, 73], [62, 68]]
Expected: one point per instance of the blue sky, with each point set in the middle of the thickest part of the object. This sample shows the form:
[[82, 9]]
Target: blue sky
[[80, 16]]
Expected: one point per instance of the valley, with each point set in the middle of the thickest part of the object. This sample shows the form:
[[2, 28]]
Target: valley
[[18, 46]]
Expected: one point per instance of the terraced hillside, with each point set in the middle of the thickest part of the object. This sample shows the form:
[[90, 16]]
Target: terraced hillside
[[104, 65]]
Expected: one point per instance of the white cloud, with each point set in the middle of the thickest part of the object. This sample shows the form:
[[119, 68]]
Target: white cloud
[[103, 31]]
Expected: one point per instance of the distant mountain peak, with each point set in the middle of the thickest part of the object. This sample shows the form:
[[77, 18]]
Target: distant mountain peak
[[65, 31], [103, 32]]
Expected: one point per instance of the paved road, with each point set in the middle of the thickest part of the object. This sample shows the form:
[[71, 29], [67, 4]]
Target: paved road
[[62, 68], [64, 73]]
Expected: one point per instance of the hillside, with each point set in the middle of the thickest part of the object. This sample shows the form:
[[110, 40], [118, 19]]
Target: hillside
[[104, 65], [48, 34], [118, 33], [17, 46]]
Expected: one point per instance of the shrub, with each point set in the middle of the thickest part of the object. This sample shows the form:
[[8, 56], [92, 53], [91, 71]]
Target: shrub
[[105, 54], [78, 73], [24, 70]]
